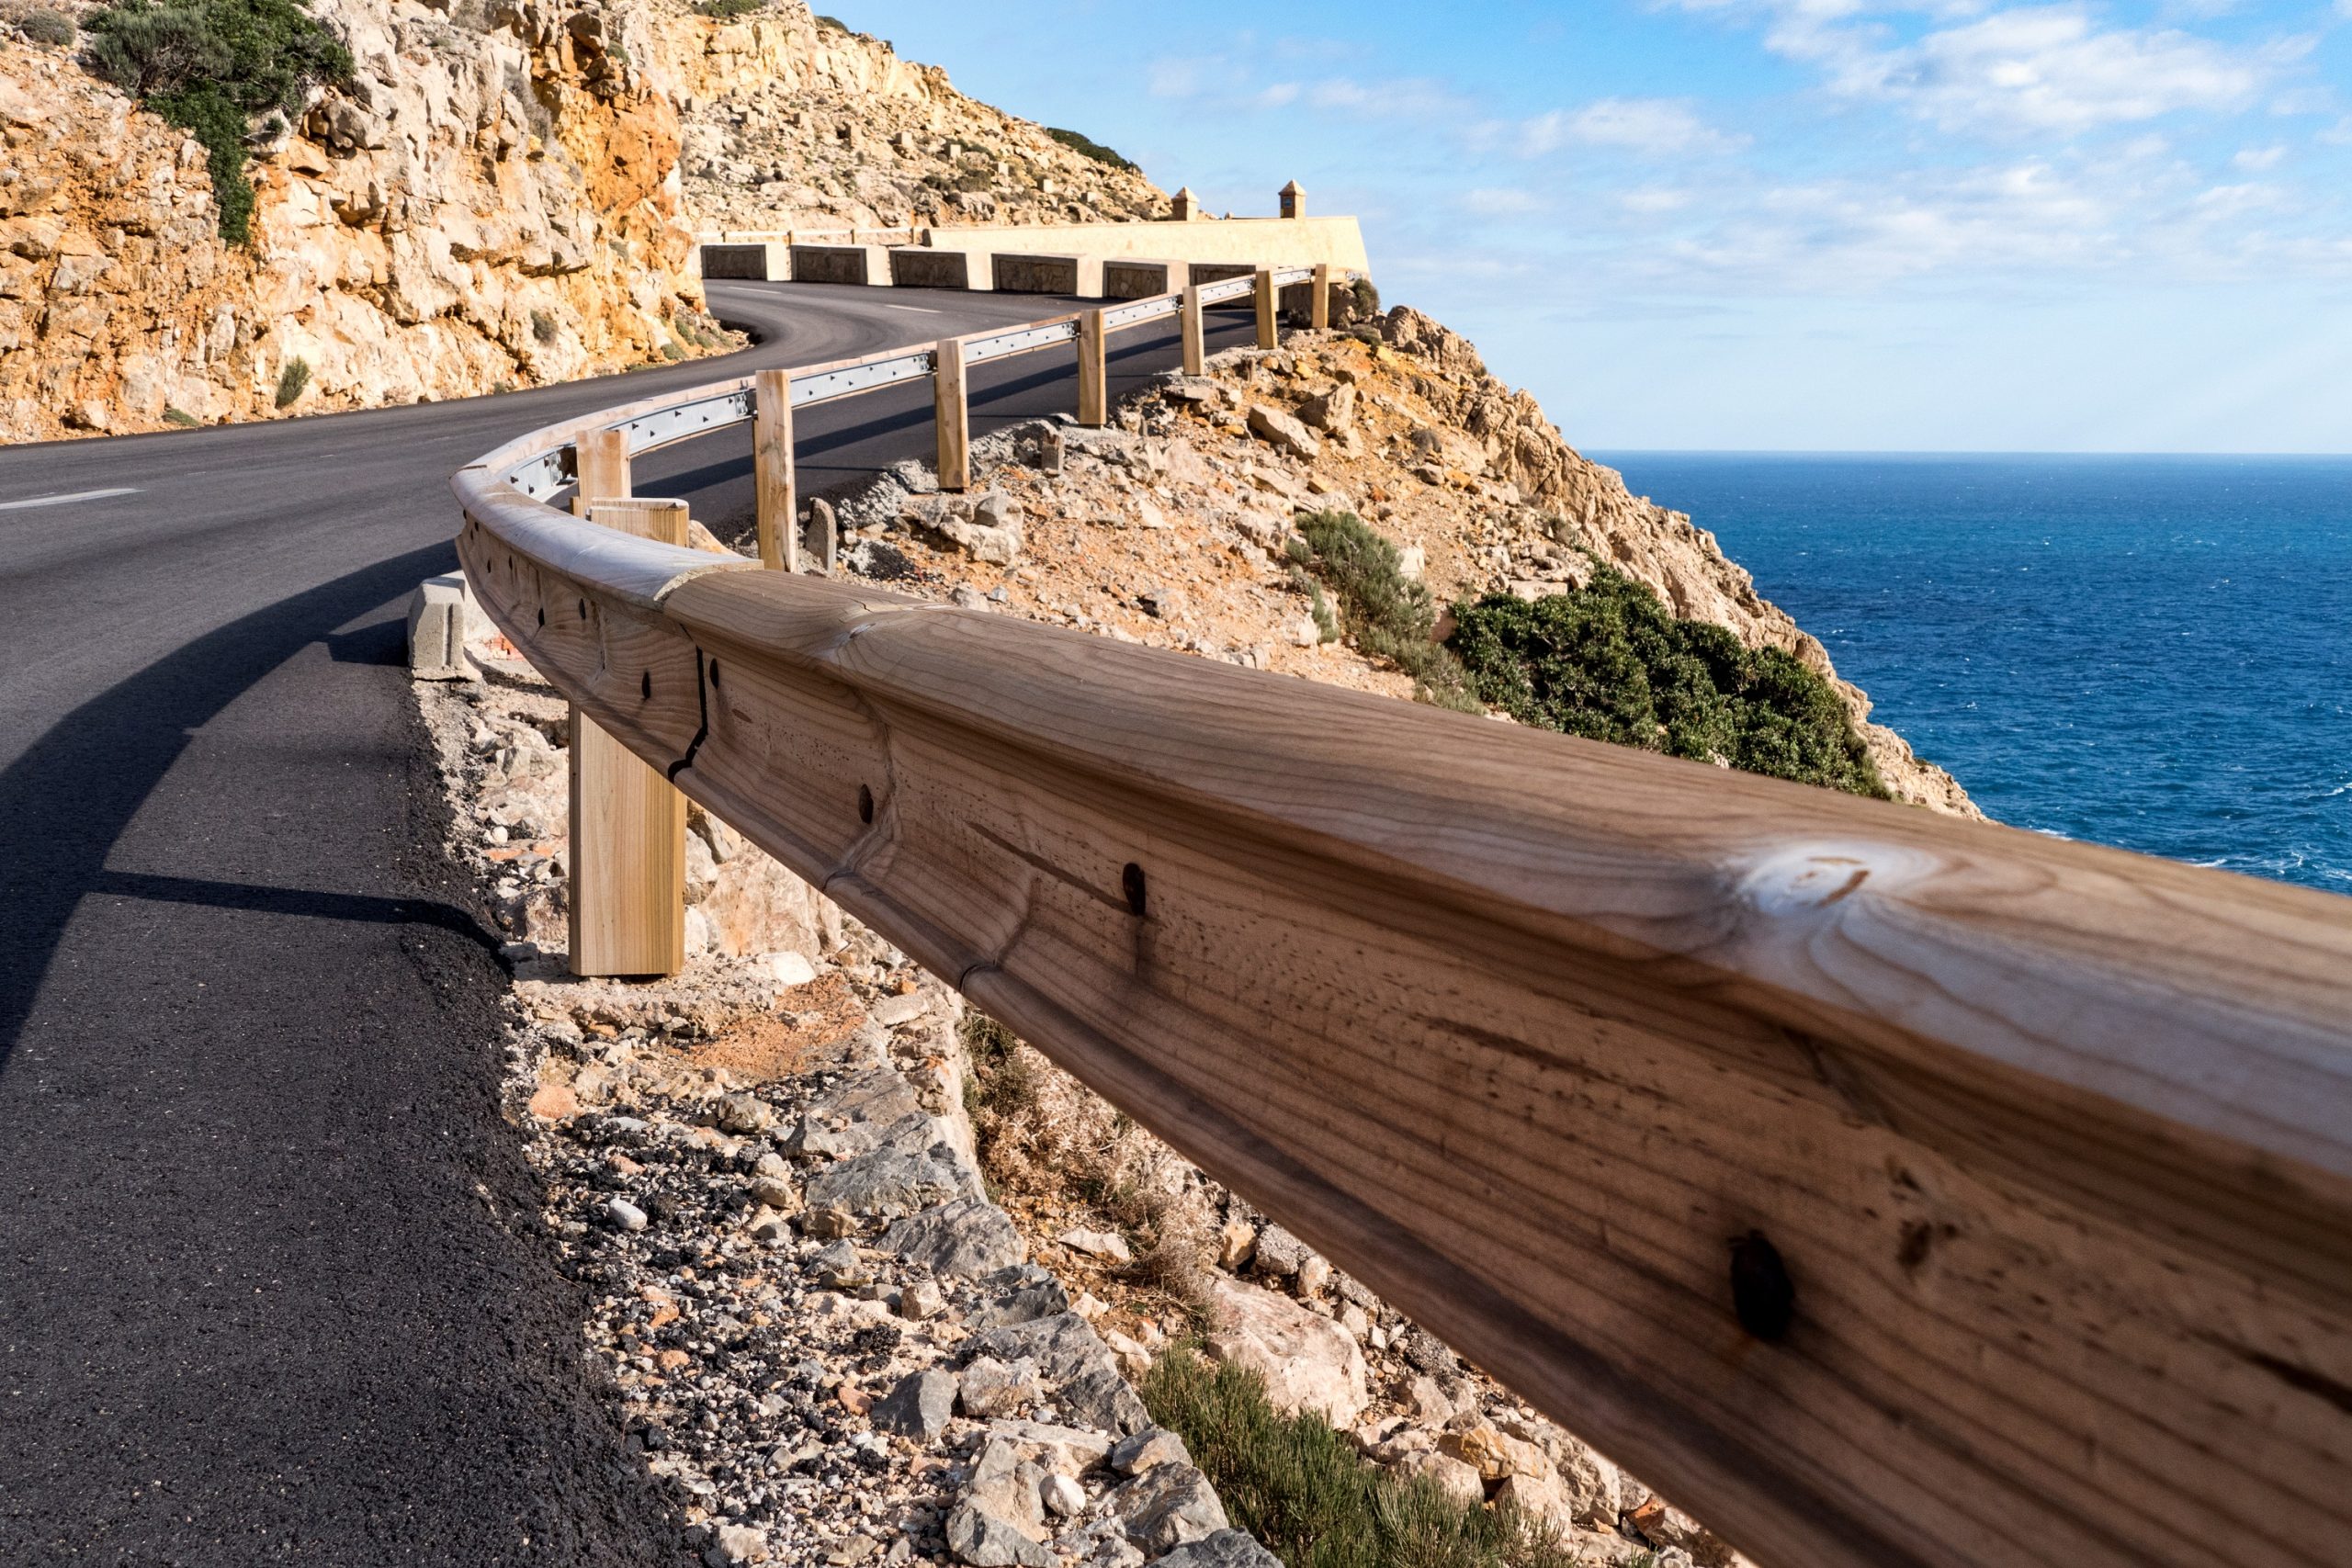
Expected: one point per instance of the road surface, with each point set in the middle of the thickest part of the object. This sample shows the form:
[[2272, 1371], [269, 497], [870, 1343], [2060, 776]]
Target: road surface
[[270, 1288]]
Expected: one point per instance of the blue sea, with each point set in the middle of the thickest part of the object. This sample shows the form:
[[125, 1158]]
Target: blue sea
[[2154, 652]]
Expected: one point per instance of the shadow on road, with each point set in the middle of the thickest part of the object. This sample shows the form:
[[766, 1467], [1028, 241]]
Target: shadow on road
[[70, 795]]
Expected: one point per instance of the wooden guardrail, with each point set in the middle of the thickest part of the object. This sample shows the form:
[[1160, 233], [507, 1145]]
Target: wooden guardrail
[[1887, 1189]]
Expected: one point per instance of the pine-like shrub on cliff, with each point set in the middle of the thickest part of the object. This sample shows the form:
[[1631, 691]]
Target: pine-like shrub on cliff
[[1078, 141], [1609, 662], [1381, 610], [208, 66], [50, 30], [1302, 1489]]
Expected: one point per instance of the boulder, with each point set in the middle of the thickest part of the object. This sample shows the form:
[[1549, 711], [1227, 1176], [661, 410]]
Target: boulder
[[1226, 1548], [889, 1183], [1309, 1362], [990, 1387], [1167, 1506], [1282, 432], [1457, 1480], [1134, 1454], [962, 1236]]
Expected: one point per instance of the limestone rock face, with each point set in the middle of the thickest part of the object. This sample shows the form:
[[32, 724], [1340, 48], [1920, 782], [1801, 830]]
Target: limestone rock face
[[795, 123], [493, 202]]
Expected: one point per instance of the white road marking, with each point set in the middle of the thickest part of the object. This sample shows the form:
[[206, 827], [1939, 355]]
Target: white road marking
[[894, 305], [61, 499]]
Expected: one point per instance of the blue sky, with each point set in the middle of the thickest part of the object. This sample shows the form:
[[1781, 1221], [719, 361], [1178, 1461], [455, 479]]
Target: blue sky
[[1800, 225]]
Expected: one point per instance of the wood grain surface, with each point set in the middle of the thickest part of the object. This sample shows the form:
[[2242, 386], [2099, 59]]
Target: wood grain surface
[[2053, 1142]]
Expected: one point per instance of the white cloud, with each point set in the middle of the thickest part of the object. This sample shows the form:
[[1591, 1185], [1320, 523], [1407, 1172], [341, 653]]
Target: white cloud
[[1654, 128], [2253, 159], [2019, 70]]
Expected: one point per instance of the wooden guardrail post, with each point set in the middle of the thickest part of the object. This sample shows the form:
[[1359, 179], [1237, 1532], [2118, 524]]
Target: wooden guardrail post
[[1319, 308], [1266, 338], [628, 912], [1094, 372], [1194, 335], [772, 466], [953, 414]]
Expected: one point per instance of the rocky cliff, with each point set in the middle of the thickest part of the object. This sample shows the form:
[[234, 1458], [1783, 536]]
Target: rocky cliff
[[493, 201], [503, 195]]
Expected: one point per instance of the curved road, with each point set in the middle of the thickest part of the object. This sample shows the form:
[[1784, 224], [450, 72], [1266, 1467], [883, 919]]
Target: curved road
[[270, 1285]]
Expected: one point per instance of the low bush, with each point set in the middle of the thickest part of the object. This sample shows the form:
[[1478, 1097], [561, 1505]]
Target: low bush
[[832, 25], [543, 327], [1299, 1486], [1609, 661], [1367, 299], [292, 378], [1078, 142], [51, 29], [728, 11], [180, 419], [1381, 610], [208, 66]]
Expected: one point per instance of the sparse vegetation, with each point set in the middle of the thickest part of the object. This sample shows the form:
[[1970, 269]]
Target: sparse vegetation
[[1609, 662], [832, 25], [50, 28], [543, 328], [728, 11], [293, 376], [1367, 298], [180, 419], [1381, 610], [1078, 142], [1301, 1488], [208, 66]]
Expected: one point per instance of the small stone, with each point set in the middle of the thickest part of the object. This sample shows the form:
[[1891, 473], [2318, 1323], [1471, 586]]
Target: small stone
[[1313, 1273], [991, 1387], [1281, 432], [919, 1406], [921, 1301], [788, 969], [1238, 1242], [827, 1221], [624, 1214], [775, 1192], [979, 1538], [1098, 1243], [1154, 1445], [1061, 1496], [733, 1544]]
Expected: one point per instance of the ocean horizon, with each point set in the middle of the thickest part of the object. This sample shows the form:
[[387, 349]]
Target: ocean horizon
[[2148, 650]]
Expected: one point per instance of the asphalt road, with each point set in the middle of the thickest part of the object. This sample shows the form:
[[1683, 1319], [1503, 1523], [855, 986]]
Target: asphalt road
[[271, 1289]]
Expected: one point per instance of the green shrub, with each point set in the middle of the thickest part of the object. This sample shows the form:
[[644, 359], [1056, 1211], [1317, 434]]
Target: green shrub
[[208, 66], [1383, 612], [51, 29], [1367, 298], [728, 11], [180, 419], [1609, 662], [1298, 1486], [832, 25], [543, 327], [1079, 143], [292, 378]]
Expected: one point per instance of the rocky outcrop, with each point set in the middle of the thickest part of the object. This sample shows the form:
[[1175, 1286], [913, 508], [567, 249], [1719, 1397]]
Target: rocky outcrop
[[491, 202], [793, 122]]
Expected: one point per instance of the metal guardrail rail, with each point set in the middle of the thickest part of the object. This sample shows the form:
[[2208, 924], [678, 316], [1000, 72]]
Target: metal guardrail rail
[[1888, 1188]]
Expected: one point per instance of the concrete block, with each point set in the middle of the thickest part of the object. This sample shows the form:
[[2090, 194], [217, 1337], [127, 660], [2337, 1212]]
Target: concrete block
[[920, 266], [440, 615], [1123, 278], [1018, 273], [841, 263], [765, 260]]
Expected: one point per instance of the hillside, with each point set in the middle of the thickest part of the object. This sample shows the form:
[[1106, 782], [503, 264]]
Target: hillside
[[494, 194]]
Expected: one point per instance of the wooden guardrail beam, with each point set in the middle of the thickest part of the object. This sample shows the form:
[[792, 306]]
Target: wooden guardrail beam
[[779, 535]]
